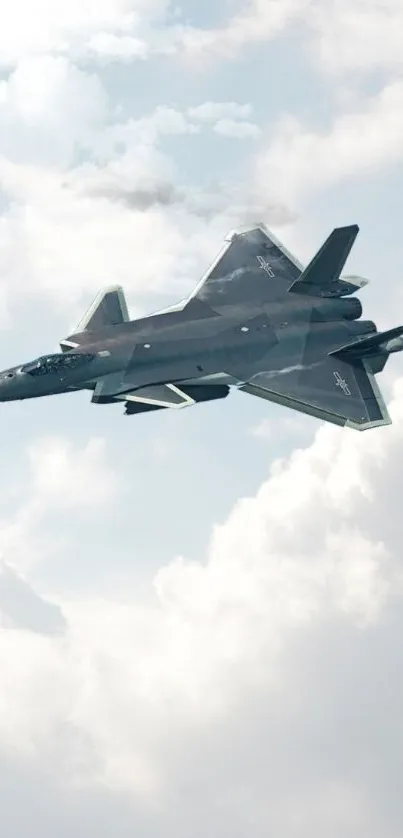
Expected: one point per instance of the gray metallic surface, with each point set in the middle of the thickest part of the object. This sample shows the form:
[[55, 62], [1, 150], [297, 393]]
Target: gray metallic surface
[[257, 320]]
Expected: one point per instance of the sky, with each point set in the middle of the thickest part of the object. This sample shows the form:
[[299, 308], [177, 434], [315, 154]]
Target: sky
[[200, 611]]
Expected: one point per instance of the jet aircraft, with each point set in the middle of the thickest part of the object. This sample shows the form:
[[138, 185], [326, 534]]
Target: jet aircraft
[[257, 321]]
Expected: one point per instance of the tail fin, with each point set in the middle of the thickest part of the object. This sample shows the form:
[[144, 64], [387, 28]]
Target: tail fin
[[326, 266], [108, 309]]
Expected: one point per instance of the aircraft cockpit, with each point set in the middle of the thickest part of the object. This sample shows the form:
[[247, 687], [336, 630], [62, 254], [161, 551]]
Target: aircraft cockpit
[[57, 364]]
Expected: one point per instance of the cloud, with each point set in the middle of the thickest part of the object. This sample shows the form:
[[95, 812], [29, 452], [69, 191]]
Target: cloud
[[237, 130], [147, 130], [141, 176], [214, 111], [53, 26], [57, 209], [72, 478], [22, 608], [63, 480], [284, 425], [155, 234], [228, 119], [127, 30], [298, 162], [58, 215], [257, 21], [59, 228], [122, 48], [248, 675], [48, 109], [143, 197], [149, 181], [364, 35], [127, 194], [55, 214]]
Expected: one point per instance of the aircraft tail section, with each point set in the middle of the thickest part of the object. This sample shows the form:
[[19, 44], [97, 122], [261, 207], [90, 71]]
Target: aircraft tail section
[[324, 270], [108, 309]]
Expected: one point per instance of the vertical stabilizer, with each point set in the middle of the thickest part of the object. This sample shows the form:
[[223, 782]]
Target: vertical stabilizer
[[108, 309]]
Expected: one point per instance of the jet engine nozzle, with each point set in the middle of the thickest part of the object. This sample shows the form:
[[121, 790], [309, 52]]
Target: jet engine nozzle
[[338, 309]]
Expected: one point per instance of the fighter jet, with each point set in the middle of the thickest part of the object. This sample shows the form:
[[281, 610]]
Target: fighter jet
[[258, 321]]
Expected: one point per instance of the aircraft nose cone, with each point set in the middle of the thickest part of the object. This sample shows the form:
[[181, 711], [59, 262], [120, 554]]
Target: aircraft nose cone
[[7, 385]]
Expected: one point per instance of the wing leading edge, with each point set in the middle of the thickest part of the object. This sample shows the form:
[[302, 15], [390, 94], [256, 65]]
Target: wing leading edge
[[251, 268], [333, 390]]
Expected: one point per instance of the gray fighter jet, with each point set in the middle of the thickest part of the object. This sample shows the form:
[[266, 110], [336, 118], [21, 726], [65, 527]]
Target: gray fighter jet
[[257, 321]]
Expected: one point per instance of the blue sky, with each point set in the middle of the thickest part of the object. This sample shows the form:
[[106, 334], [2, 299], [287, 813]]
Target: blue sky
[[196, 606]]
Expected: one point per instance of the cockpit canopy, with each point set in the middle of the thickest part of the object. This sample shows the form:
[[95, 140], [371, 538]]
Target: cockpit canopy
[[58, 363]]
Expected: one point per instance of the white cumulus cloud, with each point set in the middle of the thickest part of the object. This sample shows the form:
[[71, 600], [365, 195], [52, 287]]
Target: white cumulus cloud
[[365, 35], [48, 109], [256, 645], [238, 130], [256, 21], [298, 161], [53, 26], [214, 111], [63, 480]]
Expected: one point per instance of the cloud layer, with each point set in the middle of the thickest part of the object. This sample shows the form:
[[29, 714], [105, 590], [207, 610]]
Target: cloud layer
[[301, 586]]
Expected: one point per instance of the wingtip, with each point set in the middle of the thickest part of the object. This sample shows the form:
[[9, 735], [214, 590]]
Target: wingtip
[[244, 229], [351, 229], [108, 289]]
